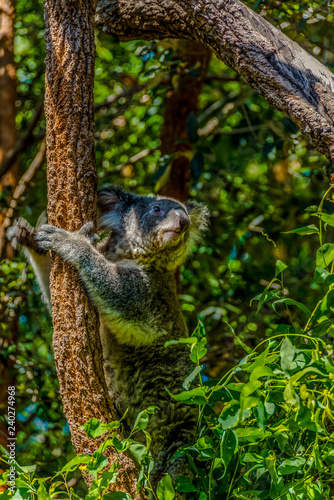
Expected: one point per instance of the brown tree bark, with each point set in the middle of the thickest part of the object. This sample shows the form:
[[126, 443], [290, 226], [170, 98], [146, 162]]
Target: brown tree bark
[[69, 110], [182, 99], [287, 76]]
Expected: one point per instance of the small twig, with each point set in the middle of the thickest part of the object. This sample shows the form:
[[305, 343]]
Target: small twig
[[131, 161], [115, 97], [26, 136], [21, 186], [240, 130], [222, 78], [249, 123]]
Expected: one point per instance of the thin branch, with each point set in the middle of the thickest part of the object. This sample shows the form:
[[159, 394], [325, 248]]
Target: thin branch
[[289, 78], [115, 97], [23, 141], [22, 184], [27, 136]]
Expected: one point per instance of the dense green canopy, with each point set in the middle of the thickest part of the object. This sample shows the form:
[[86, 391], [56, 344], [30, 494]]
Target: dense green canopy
[[251, 166]]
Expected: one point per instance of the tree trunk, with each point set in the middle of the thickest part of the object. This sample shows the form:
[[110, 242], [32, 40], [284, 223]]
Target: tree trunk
[[287, 76], [69, 110], [180, 101]]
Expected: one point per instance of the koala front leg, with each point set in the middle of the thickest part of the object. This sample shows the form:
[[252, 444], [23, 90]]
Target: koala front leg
[[121, 289]]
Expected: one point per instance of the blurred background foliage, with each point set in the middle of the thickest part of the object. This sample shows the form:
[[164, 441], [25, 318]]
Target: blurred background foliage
[[250, 165]]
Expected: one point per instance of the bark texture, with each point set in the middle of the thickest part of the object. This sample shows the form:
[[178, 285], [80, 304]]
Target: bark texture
[[72, 179], [287, 76], [182, 99]]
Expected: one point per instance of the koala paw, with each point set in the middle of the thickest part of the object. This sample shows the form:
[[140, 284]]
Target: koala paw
[[52, 238], [69, 245]]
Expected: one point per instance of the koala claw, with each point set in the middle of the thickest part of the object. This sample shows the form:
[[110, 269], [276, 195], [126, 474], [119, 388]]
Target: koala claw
[[48, 236], [87, 230]]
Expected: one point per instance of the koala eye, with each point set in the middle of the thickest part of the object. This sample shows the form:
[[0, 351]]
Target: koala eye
[[156, 209]]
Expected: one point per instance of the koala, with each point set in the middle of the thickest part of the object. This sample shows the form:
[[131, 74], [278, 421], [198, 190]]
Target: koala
[[130, 277]]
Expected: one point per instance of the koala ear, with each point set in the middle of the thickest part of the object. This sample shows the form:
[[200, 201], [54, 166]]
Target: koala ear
[[199, 215], [113, 202], [111, 198]]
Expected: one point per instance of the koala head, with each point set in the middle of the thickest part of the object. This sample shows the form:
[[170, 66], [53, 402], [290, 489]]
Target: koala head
[[154, 231]]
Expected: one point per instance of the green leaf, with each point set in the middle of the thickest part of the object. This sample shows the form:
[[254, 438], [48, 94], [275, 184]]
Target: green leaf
[[188, 380], [250, 387], [325, 255], [143, 418], [271, 465], [192, 127], [199, 331], [97, 463], [260, 371], [269, 407], [139, 451], [288, 352], [290, 466], [229, 422], [312, 229], [165, 489], [198, 350], [196, 165], [320, 275], [265, 296], [326, 218], [290, 395], [182, 340], [228, 446], [184, 485], [238, 341], [280, 267], [94, 428], [42, 493], [204, 446], [251, 434], [194, 396], [251, 457], [75, 463], [260, 414], [291, 302]]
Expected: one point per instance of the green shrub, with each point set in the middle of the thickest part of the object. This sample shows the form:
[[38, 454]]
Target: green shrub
[[265, 429]]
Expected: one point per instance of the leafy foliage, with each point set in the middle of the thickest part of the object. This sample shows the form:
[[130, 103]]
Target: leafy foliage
[[257, 174], [265, 428]]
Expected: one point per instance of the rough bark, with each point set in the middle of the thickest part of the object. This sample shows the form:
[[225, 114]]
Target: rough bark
[[182, 99], [69, 110], [282, 72]]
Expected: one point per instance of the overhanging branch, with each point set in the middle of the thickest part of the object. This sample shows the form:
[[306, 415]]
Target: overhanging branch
[[292, 80]]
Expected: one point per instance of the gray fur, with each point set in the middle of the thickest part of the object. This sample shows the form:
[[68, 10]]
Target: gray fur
[[130, 278]]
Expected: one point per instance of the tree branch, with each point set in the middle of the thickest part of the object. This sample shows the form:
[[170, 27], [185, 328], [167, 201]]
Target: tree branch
[[23, 141], [282, 72]]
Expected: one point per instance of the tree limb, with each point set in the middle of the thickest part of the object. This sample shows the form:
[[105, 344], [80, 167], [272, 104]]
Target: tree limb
[[291, 80], [23, 141], [22, 184]]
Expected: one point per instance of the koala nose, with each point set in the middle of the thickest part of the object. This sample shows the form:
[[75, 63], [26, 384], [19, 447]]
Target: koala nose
[[182, 219]]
